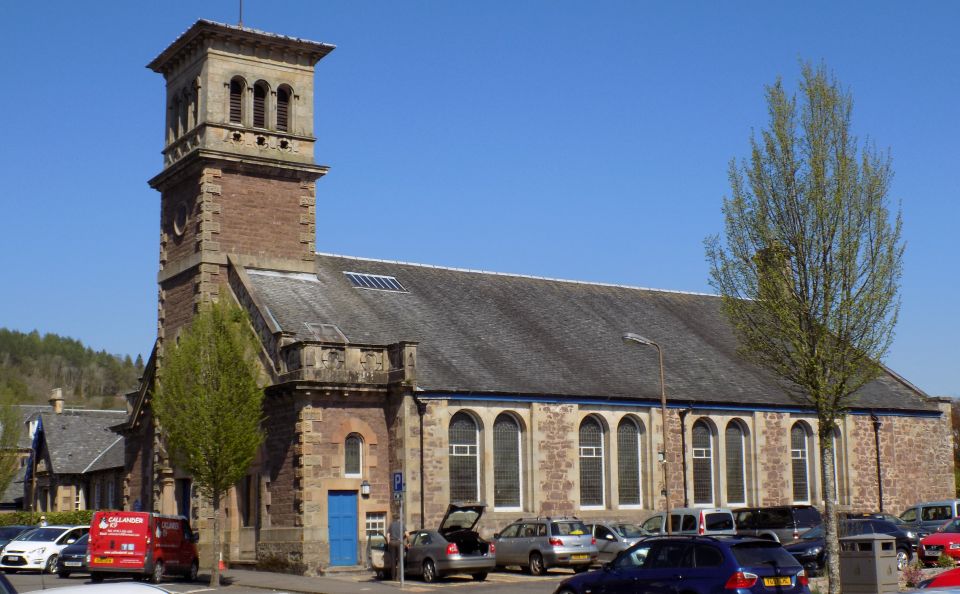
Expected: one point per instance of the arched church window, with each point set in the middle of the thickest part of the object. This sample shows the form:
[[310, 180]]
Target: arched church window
[[702, 464], [799, 458], [236, 101], [735, 448], [464, 440], [591, 463], [260, 105], [353, 456], [283, 108], [629, 462], [507, 468]]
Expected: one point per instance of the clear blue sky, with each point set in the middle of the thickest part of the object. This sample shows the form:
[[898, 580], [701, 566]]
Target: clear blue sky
[[583, 140]]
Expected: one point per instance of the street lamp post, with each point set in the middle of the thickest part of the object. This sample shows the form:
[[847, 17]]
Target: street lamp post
[[631, 337]]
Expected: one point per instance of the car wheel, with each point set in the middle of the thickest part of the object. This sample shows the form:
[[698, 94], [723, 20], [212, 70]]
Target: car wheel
[[63, 574], [429, 571], [51, 566], [157, 574], [536, 564], [479, 577], [903, 559], [96, 578], [580, 568], [191, 575]]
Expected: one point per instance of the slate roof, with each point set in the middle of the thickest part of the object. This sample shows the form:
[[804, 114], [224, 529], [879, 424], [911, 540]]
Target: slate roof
[[76, 438], [483, 332]]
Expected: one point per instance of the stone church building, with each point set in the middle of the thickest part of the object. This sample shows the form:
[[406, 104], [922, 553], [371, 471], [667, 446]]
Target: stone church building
[[511, 390]]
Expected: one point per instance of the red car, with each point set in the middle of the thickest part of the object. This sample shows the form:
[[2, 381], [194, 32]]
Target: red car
[[947, 578], [945, 541]]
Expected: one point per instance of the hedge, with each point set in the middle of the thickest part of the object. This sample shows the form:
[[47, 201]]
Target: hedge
[[28, 518]]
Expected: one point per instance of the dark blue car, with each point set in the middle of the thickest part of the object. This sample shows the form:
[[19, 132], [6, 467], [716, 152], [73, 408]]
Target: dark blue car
[[695, 564]]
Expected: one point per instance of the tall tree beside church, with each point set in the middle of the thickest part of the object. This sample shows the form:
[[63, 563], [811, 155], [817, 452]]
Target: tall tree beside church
[[809, 266], [11, 425], [208, 403]]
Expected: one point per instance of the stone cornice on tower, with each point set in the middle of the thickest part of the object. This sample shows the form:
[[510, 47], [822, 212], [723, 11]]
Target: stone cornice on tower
[[205, 33]]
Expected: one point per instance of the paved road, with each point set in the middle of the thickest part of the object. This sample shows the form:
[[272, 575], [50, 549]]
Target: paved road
[[251, 582]]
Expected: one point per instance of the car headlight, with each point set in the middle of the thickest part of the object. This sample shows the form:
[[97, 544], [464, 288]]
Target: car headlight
[[39, 551], [911, 534], [813, 551]]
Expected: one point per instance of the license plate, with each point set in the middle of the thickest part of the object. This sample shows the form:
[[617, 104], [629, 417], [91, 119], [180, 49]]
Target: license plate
[[103, 560], [73, 564], [579, 557], [10, 559], [777, 581]]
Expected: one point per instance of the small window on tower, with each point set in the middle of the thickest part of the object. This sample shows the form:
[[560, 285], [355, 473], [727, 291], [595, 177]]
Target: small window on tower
[[236, 101], [283, 109], [260, 105]]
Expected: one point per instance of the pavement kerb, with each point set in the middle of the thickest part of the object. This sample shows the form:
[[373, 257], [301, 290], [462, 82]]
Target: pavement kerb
[[305, 585]]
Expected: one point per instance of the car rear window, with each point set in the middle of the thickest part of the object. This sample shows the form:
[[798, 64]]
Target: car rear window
[[806, 516], [568, 528], [761, 554], [719, 522], [628, 530]]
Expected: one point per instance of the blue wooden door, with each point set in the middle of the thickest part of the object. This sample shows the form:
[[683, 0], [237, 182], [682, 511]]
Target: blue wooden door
[[342, 520]]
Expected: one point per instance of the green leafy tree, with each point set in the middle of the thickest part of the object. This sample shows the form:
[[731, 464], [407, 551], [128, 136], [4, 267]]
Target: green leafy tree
[[11, 426], [809, 269], [208, 403]]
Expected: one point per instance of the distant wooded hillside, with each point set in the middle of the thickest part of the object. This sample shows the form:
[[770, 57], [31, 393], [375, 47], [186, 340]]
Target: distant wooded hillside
[[31, 365]]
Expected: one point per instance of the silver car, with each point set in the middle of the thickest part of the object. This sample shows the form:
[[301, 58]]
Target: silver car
[[613, 537], [538, 544], [454, 548]]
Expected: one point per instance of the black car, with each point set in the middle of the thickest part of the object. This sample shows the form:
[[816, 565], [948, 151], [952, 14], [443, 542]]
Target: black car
[[8, 533], [782, 523], [695, 565], [810, 548], [73, 559]]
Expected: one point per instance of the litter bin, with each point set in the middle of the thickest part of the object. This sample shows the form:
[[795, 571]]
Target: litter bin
[[868, 564]]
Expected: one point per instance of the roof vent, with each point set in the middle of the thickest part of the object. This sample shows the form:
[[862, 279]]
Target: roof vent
[[375, 281], [326, 332]]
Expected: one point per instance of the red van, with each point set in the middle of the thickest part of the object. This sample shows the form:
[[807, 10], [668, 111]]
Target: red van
[[141, 544]]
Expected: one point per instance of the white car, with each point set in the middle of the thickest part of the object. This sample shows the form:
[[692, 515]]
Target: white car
[[38, 549]]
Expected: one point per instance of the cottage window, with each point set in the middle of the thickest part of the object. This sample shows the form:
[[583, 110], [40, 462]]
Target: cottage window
[[736, 468], [630, 462], [353, 456], [591, 463], [702, 464], [506, 463], [799, 455], [464, 439]]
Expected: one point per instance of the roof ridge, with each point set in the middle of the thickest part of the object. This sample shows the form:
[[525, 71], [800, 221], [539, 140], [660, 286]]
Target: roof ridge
[[100, 455], [516, 275]]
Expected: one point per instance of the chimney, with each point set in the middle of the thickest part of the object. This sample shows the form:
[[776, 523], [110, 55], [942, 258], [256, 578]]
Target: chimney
[[56, 400]]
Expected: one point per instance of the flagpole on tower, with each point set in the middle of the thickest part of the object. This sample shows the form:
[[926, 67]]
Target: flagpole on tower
[[240, 24]]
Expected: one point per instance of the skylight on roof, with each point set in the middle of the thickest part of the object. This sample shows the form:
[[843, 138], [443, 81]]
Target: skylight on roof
[[375, 281]]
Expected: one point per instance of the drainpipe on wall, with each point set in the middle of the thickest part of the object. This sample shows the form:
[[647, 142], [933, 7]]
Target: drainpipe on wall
[[877, 424], [683, 453], [421, 411]]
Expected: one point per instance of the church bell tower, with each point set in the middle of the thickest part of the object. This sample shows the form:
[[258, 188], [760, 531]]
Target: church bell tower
[[239, 175]]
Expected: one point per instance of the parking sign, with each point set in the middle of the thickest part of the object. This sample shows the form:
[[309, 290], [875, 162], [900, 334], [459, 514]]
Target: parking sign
[[397, 482]]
